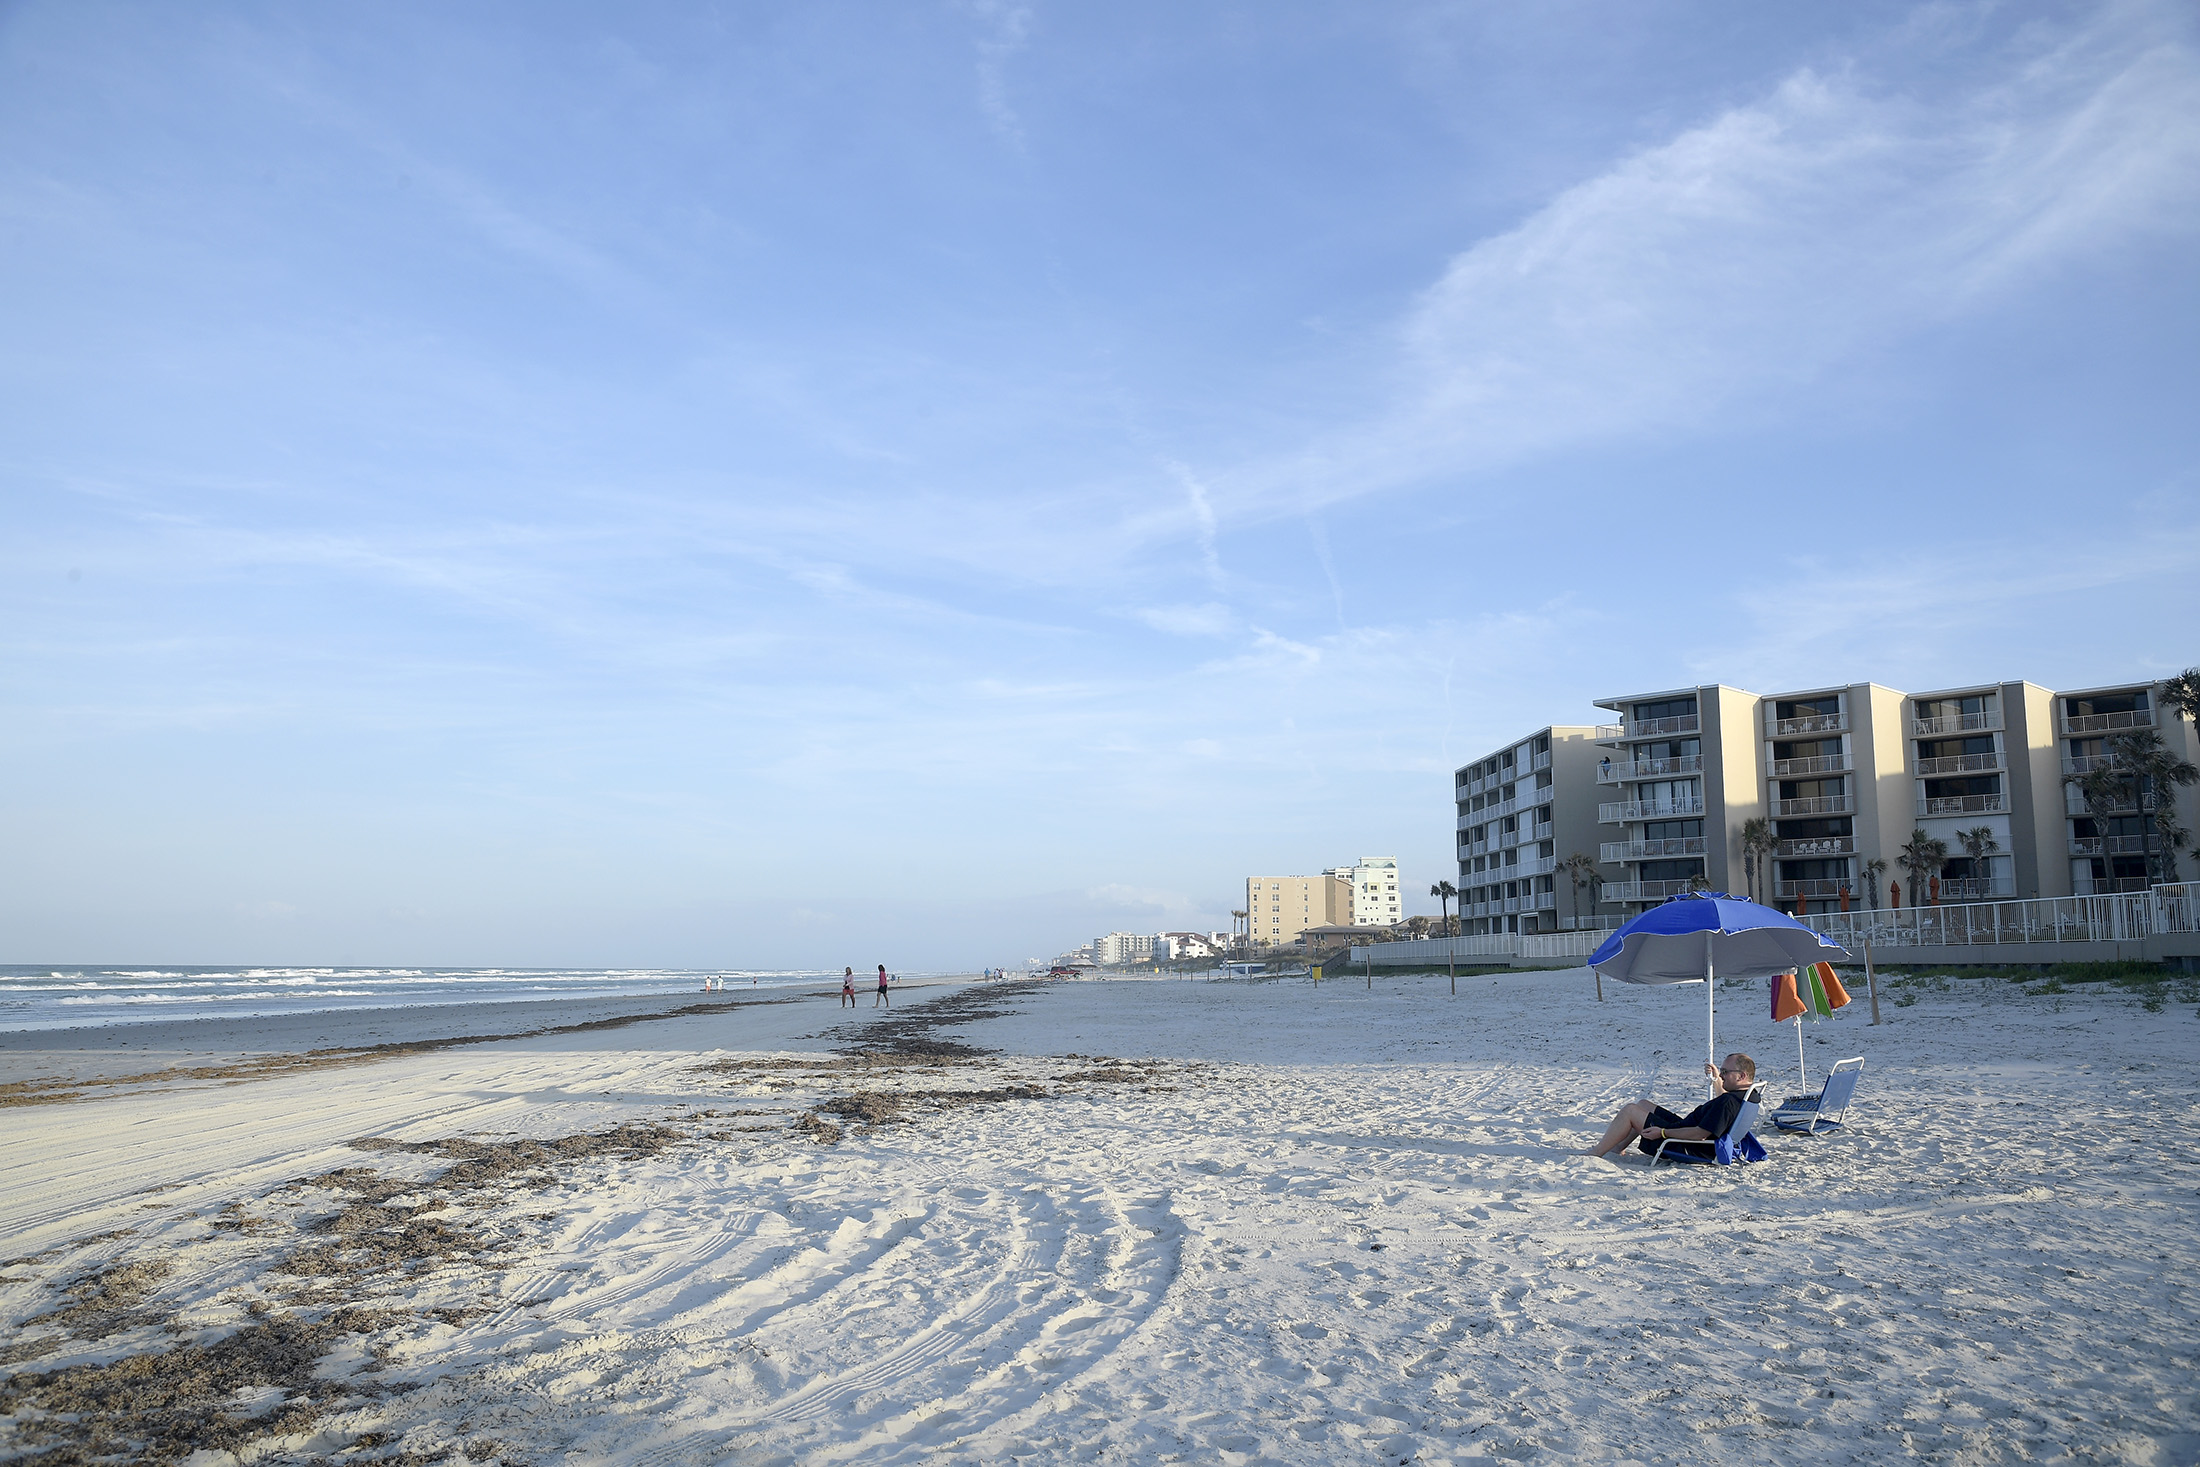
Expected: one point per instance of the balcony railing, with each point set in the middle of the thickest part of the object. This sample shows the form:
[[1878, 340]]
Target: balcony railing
[[1645, 891], [1543, 796], [1816, 805], [1963, 805], [1619, 810], [1471, 849], [2093, 723], [1650, 768], [1542, 761], [1925, 728], [1816, 764], [1960, 764], [1816, 886], [1537, 866], [1809, 723], [1608, 732], [2112, 845], [1977, 888], [1651, 728], [2084, 763], [1818, 845], [1650, 850]]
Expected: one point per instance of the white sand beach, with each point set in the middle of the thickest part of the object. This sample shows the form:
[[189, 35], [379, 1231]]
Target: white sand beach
[[1114, 1222]]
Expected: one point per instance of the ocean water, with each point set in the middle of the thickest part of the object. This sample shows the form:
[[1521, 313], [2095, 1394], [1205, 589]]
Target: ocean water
[[44, 997]]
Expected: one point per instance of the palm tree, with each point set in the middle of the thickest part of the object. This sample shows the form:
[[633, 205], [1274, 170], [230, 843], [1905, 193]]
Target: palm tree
[[1757, 844], [1235, 918], [1581, 871], [1444, 891], [1873, 870], [2140, 768], [1921, 859], [1979, 844], [2181, 694]]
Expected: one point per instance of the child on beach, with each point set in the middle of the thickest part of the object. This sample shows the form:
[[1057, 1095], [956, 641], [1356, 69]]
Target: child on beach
[[847, 988], [883, 997]]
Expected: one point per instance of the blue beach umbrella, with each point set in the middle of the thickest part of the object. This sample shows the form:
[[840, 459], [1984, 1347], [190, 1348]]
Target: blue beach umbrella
[[1697, 938]]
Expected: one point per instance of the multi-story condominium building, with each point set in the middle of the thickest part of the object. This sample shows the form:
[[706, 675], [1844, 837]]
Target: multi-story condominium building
[[1521, 811], [1121, 947], [1279, 908], [2107, 850], [1845, 776], [1374, 885]]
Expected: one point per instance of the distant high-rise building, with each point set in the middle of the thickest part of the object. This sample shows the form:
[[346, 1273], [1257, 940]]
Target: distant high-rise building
[[1520, 812], [1279, 908], [1374, 883]]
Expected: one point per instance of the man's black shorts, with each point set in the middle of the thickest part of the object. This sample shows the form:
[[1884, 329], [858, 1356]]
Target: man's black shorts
[[1664, 1119]]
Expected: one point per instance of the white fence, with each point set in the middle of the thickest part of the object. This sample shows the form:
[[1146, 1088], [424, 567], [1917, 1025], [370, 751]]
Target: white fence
[[1500, 946], [2133, 917]]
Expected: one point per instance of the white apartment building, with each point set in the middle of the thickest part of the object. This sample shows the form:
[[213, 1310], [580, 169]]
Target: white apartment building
[[1279, 908], [1521, 811], [1121, 947], [1374, 883]]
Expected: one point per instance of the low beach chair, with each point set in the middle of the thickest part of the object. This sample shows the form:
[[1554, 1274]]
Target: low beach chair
[[1736, 1146], [1813, 1115]]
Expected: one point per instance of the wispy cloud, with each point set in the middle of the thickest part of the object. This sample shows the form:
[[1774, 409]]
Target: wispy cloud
[[1749, 254], [1004, 26]]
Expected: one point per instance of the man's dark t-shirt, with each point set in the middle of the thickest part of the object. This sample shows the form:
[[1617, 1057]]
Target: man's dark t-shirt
[[1713, 1116]]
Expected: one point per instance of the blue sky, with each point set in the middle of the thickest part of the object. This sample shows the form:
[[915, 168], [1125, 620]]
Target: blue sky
[[818, 484]]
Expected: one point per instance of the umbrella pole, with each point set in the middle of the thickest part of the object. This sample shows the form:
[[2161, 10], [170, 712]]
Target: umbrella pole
[[1799, 1052], [1710, 1023]]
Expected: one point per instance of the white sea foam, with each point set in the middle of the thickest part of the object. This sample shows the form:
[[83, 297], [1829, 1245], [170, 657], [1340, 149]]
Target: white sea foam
[[67, 998]]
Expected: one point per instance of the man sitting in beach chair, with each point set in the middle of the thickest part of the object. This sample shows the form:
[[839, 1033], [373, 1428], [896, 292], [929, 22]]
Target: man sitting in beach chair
[[1694, 1135]]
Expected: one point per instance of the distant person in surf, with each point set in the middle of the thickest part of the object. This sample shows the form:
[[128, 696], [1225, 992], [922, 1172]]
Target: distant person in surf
[[883, 996], [847, 988]]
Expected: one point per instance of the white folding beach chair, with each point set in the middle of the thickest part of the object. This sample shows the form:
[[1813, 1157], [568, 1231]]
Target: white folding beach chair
[[1813, 1115]]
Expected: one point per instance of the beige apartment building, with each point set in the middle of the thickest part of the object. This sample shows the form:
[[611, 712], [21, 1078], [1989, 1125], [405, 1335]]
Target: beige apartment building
[[1521, 811], [1844, 775], [1279, 908]]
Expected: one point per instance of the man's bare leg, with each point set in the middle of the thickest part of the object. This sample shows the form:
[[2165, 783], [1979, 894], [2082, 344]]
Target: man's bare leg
[[1625, 1127]]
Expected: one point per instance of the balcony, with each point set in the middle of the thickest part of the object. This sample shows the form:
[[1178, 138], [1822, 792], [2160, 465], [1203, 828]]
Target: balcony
[[1818, 886], [1646, 891], [1816, 805], [1619, 810], [1539, 866], [2111, 845], [1542, 762], [2077, 764], [1926, 728], [1816, 764], [1964, 805], [1543, 796], [2110, 885], [1977, 888], [1960, 764], [2096, 723], [1612, 852], [1819, 845], [1809, 723], [1611, 732], [1650, 768]]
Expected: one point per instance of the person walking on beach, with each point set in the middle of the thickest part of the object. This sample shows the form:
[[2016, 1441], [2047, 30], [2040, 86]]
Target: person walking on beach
[[883, 996], [847, 988]]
